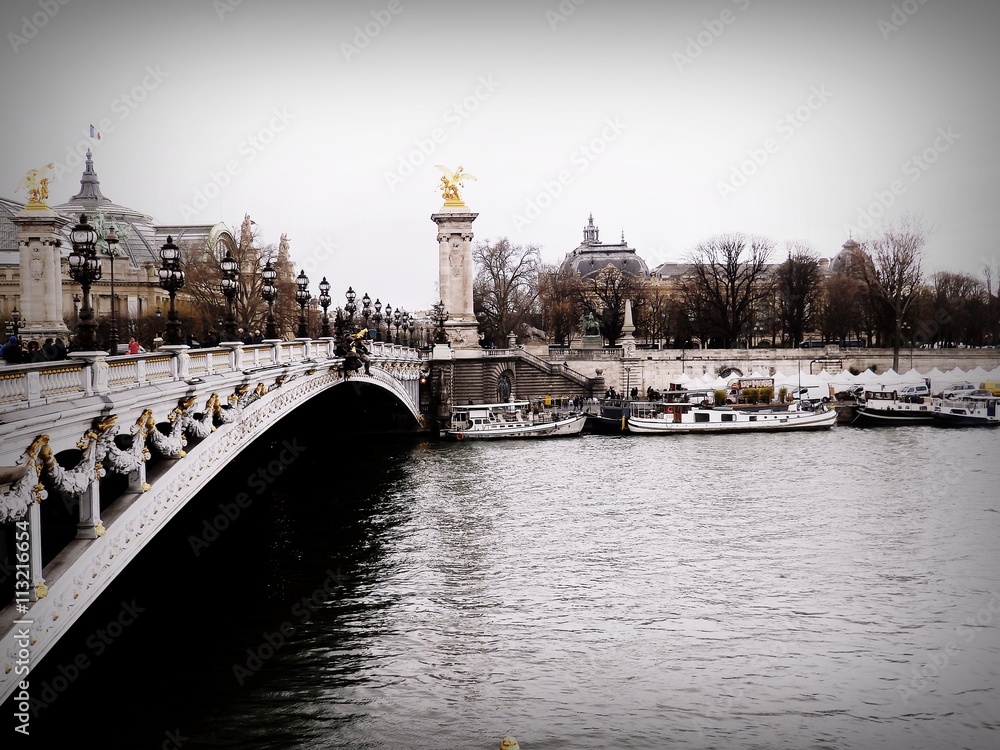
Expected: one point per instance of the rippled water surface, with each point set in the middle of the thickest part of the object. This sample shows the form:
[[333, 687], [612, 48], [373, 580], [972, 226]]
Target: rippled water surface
[[822, 590]]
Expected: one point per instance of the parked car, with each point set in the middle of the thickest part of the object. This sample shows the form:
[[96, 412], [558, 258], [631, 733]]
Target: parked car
[[957, 390], [812, 393], [992, 386], [851, 393], [914, 392]]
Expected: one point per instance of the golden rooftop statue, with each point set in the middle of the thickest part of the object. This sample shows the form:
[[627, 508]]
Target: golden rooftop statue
[[450, 183], [36, 183]]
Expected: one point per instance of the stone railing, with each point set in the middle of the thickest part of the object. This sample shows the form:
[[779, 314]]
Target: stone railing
[[85, 375]]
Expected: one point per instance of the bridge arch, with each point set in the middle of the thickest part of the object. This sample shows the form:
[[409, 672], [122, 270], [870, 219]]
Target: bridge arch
[[211, 422]]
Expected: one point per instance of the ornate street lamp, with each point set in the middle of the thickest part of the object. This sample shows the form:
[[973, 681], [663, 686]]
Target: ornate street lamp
[[377, 317], [350, 308], [229, 285], [302, 296], [85, 269], [171, 279], [13, 326], [324, 302], [270, 293], [397, 318], [366, 308], [406, 327], [76, 303], [440, 315], [112, 240]]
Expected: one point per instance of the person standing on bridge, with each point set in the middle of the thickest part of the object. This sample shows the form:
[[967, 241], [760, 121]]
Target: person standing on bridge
[[12, 352]]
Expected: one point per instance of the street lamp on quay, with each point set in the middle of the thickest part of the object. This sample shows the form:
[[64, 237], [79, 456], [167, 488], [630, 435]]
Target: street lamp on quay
[[171, 279], [270, 293], [324, 302], [302, 296], [388, 323], [112, 240], [229, 285], [85, 269]]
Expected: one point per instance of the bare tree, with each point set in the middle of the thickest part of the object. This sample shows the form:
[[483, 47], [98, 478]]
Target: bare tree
[[797, 282], [728, 279], [201, 268], [559, 300], [604, 294], [506, 286], [842, 302], [891, 270]]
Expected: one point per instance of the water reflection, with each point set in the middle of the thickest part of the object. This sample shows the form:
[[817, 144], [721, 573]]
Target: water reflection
[[824, 590]]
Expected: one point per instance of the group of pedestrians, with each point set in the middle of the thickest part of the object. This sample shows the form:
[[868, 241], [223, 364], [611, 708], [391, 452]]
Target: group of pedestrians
[[15, 352]]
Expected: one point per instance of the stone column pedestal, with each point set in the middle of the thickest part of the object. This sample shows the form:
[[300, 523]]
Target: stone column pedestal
[[455, 274], [39, 231]]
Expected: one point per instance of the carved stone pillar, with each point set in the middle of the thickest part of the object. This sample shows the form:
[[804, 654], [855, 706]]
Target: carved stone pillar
[[89, 525], [455, 275], [38, 241]]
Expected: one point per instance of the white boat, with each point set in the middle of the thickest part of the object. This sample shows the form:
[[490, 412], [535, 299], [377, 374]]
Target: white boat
[[970, 411], [684, 418], [511, 419], [889, 408]]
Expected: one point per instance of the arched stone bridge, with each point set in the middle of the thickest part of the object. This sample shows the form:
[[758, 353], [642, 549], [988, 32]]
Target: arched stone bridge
[[164, 423]]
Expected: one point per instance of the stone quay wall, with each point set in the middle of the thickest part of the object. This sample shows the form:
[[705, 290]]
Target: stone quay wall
[[659, 367]]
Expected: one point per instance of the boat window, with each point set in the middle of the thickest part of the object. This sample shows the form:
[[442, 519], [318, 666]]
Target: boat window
[[701, 416], [728, 417], [753, 417]]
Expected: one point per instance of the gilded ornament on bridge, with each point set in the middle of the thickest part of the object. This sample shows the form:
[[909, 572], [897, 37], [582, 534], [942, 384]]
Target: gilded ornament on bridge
[[36, 184], [41, 591], [450, 184]]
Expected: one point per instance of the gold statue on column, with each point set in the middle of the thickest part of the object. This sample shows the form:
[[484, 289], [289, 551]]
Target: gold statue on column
[[36, 183], [451, 182]]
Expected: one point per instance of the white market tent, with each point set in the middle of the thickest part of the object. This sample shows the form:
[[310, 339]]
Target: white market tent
[[976, 375]]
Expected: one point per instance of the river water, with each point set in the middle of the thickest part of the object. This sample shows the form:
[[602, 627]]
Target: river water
[[836, 589]]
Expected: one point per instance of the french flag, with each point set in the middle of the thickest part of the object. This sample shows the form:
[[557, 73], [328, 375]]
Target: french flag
[[95, 133]]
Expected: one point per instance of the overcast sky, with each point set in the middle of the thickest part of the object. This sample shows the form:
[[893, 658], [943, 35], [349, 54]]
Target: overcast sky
[[792, 119]]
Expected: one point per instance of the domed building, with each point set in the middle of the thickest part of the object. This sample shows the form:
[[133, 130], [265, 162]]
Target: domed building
[[137, 291], [592, 256]]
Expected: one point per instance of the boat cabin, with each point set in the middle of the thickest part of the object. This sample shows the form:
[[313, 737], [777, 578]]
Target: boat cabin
[[485, 415]]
